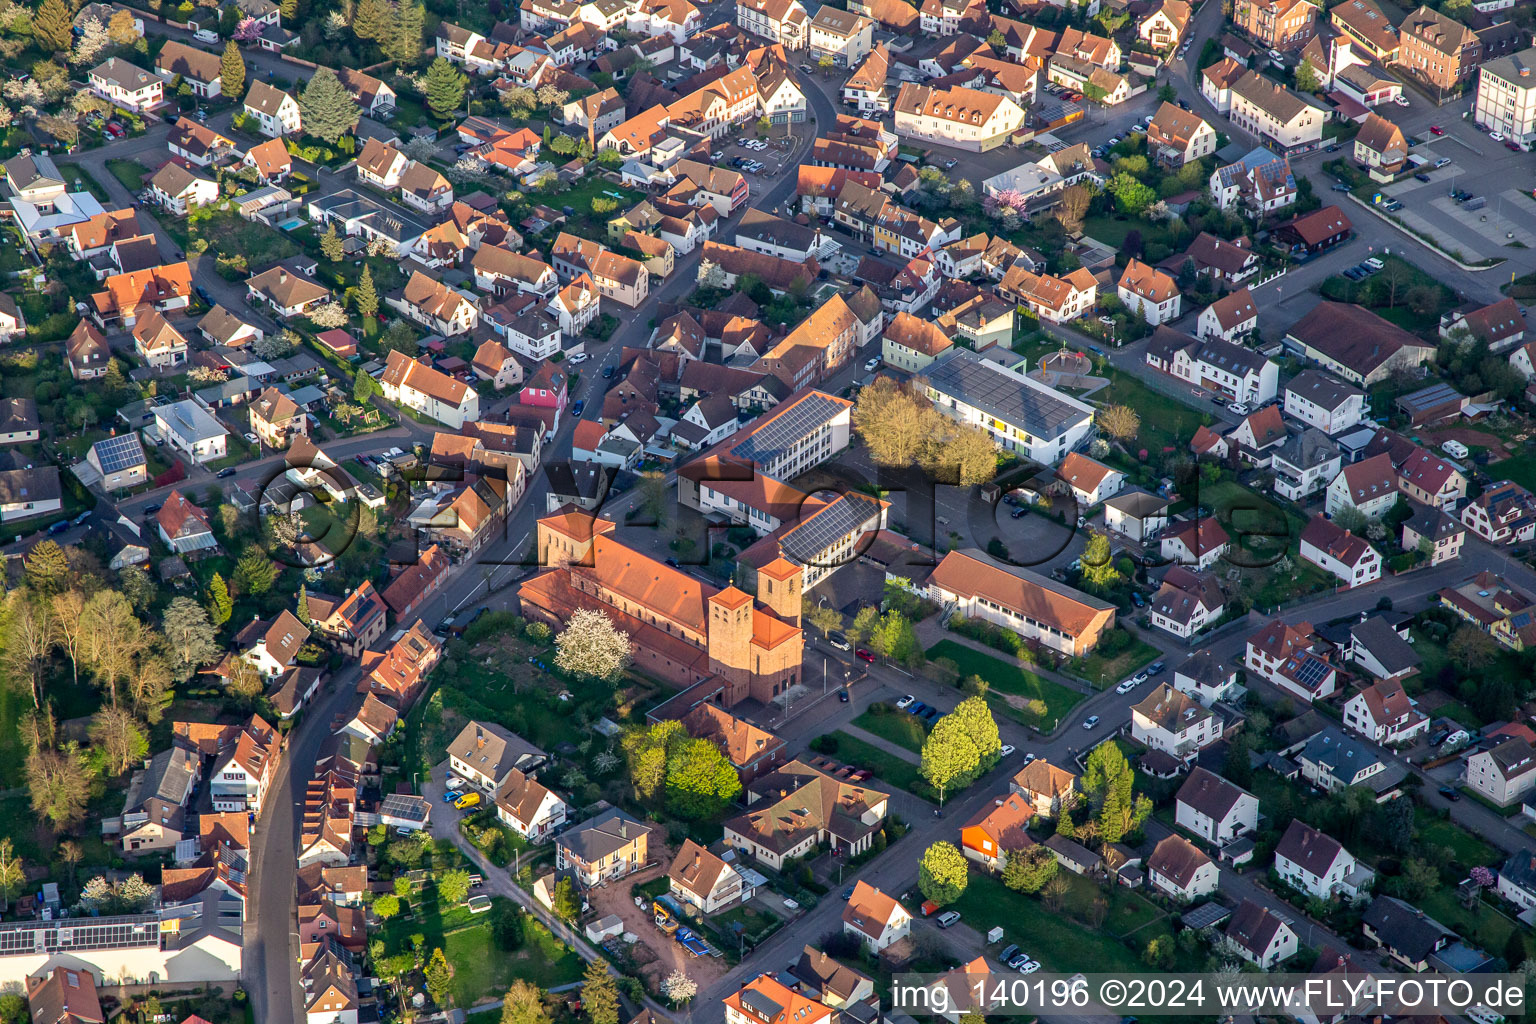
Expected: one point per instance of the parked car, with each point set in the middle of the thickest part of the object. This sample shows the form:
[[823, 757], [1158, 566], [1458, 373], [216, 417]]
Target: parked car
[[252, 438], [1496, 136], [949, 919], [577, 358], [150, 510], [1373, 265], [466, 801], [842, 695], [1513, 145], [1237, 408], [579, 407], [1090, 722], [916, 708], [1137, 599], [864, 655], [839, 640], [929, 714], [1007, 750], [1007, 955], [1125, 687], [1156, 667], [1401, 101], [607, 373], [1443, 161], [871, 365], [1020, 512], [451, 796], [1435, 129], [1341, 187], [1333, 147], [1449, 793], [904, 701], [227, 471]]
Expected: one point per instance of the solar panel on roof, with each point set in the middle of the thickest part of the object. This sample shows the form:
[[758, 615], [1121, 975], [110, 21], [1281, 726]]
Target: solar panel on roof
[[832, 523], [765, 444], [1311, 671], [1015, 399], [118, 453]]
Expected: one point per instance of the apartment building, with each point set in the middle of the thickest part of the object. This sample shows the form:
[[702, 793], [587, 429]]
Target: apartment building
[[429, 391], [957, 117], [1506, 97]]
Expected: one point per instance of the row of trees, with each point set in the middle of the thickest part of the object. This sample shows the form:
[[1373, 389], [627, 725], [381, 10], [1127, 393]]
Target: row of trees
[[901, 427]]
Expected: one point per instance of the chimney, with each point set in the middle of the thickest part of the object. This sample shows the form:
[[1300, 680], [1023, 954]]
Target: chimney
[[282, 277]]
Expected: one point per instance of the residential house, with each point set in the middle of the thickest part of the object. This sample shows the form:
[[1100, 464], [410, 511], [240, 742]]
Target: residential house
[[1215, 364], [1330, 760], [442, 310], [1368, 486], [1380, 148], [1433, 532], [119, 460], [1214, 809], [86, 352], [1230, 318], [1135, 514], [874, 918], [157, 343], [187, 427], [1205, 677], [957, 116], [1324, 402], [528, 807], [154, 816], [1439, 51], [1504, 513], [845, 37], [198, 69], [1276, 24], [1179, 869], [1260, 936], [1284, 655], [1348, 557], [791, 810], [276, 419], [1500, 324], [1504, 773], [1506, 97], [1169, 721], [1196, 543], [1020, 413], [429, 391], [1176, 136], [1317, 864], [1089, 481], [125, 85], [1148, 293], [1047, 788], [1186, 602], [483, 753], [28, 492], [272, 648], [997, 830], [19, 423], [1305, 464], [1408, 935], [270, 160], [381, 165], [607, 846], [275, 112], [702, 879], [288, 292], [1383, 712], [183, 527], [353, 622]]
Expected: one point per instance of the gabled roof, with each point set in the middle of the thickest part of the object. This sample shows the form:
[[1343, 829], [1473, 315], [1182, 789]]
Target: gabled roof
[[1210, 794], [871, 911], [1177, 859], [1313, 851]]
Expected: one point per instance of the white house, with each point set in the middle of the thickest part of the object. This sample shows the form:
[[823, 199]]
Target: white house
[[1504, 773], [1216, 364], [272, 648], [1317, 864], [874, 918], [126, 85], [1384, 713], [701, 879], [1089, 480], [1214, 809], [1283, 654], [1369, 486], [527, 807], [1348, 556], [1324, 402], [1174, 723], [1305, 464], [1198, 544], [1136, 514], [1260, 937], [1517, 879], [484, 755], [275, 112], [1205, 677], [1186, 602], [178, 189], [1229, 318], [429, 391], [1149, 293], [188, 427], [1180, 869]]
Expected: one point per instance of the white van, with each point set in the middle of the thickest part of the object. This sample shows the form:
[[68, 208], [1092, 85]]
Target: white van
[[1455, 449], [948, 919]]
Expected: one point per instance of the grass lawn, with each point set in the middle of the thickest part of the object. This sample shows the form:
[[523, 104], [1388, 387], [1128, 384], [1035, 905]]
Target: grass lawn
[[1482, 926], [1376, 294], [129, 172], [1436, 831], [1103, 671], [896, 726], [481, 969], [887, 767], [1003, 678], [1059, 942], [1165, 422]]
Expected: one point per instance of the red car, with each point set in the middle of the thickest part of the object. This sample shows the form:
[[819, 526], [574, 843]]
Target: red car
[[1512, 144], [864, 655], [1435, 129]]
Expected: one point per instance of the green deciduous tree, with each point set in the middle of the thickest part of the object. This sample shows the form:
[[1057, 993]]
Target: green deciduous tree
[[454, 885], [701, 781], [941, 874], [1028, 870], [386, 906], [524, 1004], [1131, 196], [1098, 569], [232, 71], [326, 107], [444, 85], [949, 758], [566, 902]]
